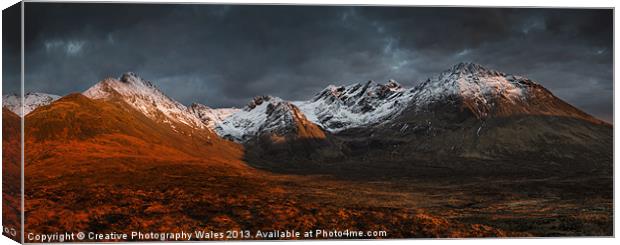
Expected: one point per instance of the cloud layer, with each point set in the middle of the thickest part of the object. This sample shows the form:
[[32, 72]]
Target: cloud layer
[[222, 55]]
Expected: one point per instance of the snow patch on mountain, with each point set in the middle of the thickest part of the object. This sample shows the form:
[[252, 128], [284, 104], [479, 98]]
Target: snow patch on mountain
[[146, 98], [32, 101], [210, 116], [341, 107]]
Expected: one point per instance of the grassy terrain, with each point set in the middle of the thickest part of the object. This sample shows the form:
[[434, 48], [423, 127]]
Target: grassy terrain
[[126, 194]]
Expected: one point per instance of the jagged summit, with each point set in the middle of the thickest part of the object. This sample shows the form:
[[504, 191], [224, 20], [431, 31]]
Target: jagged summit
[[469, 67], [145, 97], [267, 116], [340, 107], [393, 84], [249, 122], [132, 77], [350, 93]]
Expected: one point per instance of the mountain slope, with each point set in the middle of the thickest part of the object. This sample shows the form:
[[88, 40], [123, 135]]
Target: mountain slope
[[31, 101], [146, 98], [113, 129]]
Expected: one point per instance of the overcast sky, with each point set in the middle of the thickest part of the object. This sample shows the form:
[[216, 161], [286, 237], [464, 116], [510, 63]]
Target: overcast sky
[[223, 55]]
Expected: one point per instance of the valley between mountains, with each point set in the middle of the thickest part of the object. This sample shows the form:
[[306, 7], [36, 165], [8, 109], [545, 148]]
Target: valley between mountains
[[471, 152]]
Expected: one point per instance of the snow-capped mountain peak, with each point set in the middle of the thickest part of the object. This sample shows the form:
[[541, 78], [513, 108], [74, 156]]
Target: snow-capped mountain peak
[[145, 97], [245, 124], [341, 107], [32, 101], [265, 115], [133, 78], [478, 87]]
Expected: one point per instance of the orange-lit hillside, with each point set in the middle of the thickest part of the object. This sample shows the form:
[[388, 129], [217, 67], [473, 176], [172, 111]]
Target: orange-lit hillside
[[79, 128], [11, 178]]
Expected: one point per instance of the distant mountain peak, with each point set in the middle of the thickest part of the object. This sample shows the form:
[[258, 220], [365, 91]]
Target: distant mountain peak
[[32, 101]]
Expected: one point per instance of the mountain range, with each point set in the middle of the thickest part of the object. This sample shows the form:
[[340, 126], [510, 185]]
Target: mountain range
[[488, 153], [467, 111]]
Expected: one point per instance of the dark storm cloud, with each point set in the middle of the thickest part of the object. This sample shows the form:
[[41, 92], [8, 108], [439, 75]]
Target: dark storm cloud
[[224, 55], [11, 49]]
